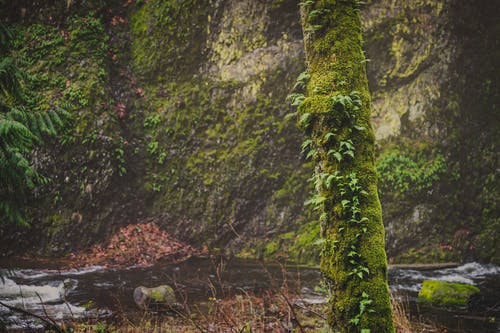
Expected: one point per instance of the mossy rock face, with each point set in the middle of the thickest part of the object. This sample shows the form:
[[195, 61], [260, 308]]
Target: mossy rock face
[[203, 143], [446, 293]]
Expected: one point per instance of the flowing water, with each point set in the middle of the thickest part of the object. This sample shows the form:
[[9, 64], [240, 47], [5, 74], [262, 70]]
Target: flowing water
[[68, 294]]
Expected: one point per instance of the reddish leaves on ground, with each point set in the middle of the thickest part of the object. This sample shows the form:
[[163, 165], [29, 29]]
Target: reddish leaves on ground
[[120, 110], [136, 245], [139, 92], [116, 20]]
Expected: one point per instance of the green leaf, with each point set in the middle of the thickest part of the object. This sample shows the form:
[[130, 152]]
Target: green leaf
[[289, 116], [306, 144], [306, 3], [329, 181], [328, 136], [305, 119], [296, 99], [347, 144], [352, 254], [312, 153], [354, 321]]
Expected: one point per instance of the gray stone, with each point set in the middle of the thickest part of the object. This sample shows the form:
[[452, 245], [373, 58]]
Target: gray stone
[[159, 297]]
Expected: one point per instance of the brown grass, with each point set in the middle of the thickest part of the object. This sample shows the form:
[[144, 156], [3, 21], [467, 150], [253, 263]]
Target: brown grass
[[272, 311]]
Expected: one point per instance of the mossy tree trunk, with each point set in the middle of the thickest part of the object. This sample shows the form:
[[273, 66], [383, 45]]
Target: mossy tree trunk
[[335, 115]]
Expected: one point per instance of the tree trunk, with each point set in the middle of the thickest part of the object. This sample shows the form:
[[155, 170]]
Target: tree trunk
[[335, 115]]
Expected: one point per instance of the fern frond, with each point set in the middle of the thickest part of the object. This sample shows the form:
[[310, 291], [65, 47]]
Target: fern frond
[[48, 123], [10, 85]]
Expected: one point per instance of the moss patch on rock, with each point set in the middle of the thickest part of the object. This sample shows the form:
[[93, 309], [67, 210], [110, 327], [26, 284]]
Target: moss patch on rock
[[446, 293]]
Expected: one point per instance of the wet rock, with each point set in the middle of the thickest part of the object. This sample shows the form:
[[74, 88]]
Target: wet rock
[[447, 293], [157, 297]]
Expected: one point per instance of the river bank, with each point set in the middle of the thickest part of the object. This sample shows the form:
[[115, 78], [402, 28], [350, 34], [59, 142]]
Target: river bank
[[248, 290]]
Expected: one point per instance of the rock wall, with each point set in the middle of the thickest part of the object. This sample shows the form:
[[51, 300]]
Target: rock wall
[[435, 104], [179, 116]]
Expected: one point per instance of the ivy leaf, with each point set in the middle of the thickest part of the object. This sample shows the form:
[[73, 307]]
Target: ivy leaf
[[306, 144], [329, 181], [354, 321], [306, 3], [312, 153], [359, 128], [289, 116], [302, 80], [306, 119], [352, 254], [314, 13], [347, 144], [296, 99], [350, 153], [328, 136]]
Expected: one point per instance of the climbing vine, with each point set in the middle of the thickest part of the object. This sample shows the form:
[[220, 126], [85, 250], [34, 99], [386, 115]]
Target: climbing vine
[[334, 113], [334, 149]]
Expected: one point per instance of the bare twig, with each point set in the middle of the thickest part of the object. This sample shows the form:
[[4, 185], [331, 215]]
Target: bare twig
[[45, 310], [294, 317]]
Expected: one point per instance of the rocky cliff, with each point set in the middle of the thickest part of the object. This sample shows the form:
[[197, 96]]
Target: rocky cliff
[[179, 116]]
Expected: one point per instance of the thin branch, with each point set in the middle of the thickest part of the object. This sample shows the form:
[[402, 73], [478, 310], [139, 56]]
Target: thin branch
[[54, 326]]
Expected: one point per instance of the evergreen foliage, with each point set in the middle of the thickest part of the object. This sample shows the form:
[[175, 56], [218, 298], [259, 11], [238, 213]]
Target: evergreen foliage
[[20, 131]]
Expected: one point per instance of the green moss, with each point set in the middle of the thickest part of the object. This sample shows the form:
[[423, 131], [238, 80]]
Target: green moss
[[156, 296], [167, 38], [247, 253], [426, 254], [336, 68], [271, 248], [446, 293], [213, 147], [66, 67]]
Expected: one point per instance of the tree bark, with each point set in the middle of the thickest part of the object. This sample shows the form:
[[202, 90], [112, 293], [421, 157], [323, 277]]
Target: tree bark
[[335, 115]]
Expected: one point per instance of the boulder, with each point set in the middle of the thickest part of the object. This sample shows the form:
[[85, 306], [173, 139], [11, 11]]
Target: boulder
[[158, 297], [446, 293]]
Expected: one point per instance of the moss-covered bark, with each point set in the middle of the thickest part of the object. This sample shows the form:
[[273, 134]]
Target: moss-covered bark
[[336, 116]]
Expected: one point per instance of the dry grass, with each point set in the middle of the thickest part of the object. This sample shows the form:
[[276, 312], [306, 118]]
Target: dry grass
[[278, 312]]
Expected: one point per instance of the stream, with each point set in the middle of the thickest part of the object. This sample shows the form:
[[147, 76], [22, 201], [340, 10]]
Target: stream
[[99, 292]]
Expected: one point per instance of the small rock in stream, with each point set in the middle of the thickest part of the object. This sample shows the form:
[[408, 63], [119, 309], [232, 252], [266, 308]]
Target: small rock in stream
[[161, 297]]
